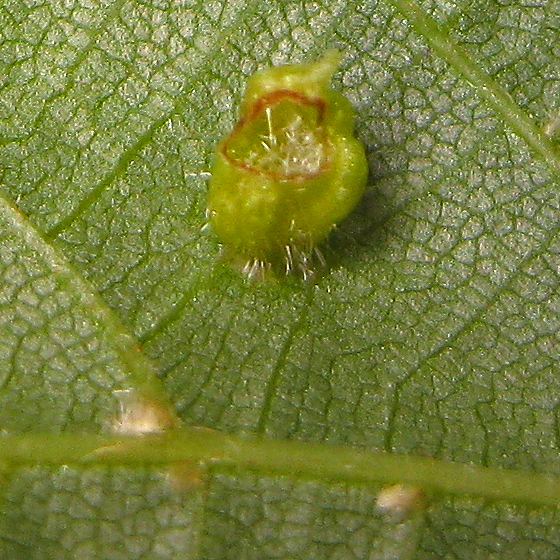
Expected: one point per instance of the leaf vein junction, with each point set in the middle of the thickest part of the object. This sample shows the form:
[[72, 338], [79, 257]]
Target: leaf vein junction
[[324, 462]]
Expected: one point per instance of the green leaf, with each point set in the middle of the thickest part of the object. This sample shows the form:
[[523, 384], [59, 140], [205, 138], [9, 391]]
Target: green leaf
[[434, 331], [64, 355]]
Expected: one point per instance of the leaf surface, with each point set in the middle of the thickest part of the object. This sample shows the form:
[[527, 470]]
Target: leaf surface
[[433, 331]]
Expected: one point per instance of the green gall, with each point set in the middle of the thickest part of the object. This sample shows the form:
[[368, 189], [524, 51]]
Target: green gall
[[290, 170]]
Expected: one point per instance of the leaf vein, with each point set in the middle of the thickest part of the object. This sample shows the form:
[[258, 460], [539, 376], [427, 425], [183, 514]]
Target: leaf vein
[[487, 87], [447, 342], [143, 140]]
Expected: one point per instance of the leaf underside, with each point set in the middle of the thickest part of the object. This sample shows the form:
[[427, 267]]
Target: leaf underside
[[433, 332]]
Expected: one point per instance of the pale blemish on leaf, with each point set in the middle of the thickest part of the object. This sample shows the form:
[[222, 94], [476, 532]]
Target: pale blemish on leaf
[[138, 415], [400, 501], [186, 476], [552, 127]]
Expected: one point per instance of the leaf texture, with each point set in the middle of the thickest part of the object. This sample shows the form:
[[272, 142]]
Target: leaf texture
[[434, 330]]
